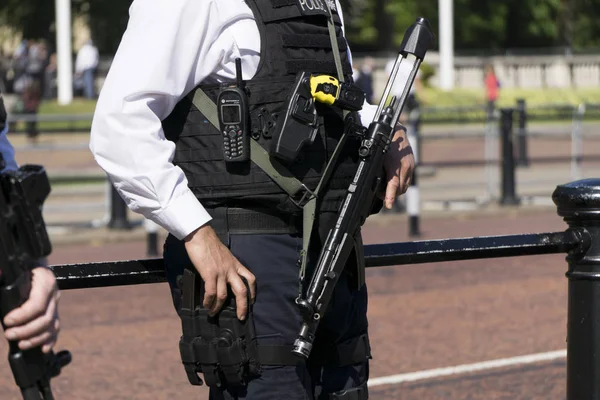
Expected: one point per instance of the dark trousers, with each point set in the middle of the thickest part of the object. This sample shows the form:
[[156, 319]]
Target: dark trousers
[[272, 259]]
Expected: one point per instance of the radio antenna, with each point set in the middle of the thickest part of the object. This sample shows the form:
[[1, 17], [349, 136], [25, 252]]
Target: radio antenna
[[238, 72]]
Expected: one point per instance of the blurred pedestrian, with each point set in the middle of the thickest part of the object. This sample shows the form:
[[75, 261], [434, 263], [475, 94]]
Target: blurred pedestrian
[[492, 89], [86, 64], [31, 98], [50, 76], [364, 78]]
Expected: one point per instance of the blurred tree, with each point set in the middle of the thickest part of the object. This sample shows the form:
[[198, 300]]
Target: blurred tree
[[586, 30], [483, 25], [107, 20], [371, 25], [532, 23], [566, 21], [359, 19], [33, 18]]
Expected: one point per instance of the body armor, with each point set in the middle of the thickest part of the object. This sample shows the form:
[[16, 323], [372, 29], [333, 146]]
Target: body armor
[[294, 37]]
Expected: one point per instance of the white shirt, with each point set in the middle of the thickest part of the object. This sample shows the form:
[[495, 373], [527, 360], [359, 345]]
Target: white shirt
[[168, 48]]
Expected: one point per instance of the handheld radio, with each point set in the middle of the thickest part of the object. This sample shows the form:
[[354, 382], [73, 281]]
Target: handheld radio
[[232, 108]]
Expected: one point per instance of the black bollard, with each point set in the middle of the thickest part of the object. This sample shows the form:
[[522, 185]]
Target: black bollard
[[118, 211], [508, 158], [578, 203], [522, 158], [418, 137], [412, 195], [151, 238], [152, 244]]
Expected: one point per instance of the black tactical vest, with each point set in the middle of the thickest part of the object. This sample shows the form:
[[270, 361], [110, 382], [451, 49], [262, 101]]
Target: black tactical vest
[[294, 37]]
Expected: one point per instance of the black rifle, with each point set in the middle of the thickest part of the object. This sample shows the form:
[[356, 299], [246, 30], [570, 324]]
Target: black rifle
[[23, 242], [361, 194]]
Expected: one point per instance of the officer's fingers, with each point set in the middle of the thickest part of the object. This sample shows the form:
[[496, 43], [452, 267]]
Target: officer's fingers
[[36, 341], [241, 295], [32, 330], [251, 281], [407, 184], [221, 295], [404, 180], [407, 167], [391, 192], [210, 289], [49, 344]]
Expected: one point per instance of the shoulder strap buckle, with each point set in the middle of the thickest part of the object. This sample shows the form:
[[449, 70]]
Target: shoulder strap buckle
[[307, 195]]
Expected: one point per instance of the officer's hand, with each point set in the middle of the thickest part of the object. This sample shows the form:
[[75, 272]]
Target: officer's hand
[[36, 322], [399, 163], [218, 267]]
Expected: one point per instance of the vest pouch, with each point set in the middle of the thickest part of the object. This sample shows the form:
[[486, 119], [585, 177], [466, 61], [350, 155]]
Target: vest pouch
[[298, 124], [222, 347]]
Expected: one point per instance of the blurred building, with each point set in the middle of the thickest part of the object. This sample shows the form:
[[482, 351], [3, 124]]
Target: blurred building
[[514, 71]]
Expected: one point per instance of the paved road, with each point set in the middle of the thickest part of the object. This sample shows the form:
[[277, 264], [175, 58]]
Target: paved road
[[124, 340]]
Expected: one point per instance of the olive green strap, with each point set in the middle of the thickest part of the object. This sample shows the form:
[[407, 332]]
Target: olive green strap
[[334, 45], [275, 170], [309, 210], [207, 107]]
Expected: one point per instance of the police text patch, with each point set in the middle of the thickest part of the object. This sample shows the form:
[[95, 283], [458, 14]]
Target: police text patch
[[315, 7]]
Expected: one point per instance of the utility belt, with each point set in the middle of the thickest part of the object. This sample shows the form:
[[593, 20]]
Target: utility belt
[[233, 220]]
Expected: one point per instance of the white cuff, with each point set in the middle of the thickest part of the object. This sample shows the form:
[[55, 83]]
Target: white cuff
[[367, 114], [184, 215]]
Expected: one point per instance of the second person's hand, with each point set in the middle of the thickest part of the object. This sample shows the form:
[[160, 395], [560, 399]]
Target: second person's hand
[[218, 268]]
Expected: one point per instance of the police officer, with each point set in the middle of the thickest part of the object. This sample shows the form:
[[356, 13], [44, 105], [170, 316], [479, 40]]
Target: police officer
[[156, 134], [36, 322]]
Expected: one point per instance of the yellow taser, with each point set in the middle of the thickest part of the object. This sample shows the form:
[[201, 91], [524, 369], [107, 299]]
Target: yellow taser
[[324, 88]]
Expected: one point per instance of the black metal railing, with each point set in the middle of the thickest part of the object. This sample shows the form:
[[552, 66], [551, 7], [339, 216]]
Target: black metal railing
[[577, 202]]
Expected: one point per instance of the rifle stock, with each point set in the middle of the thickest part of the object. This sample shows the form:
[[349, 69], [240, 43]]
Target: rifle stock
[[362, 192]]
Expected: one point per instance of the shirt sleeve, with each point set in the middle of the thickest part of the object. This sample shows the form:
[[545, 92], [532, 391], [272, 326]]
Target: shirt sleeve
[[166, 48], [7, 151]]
